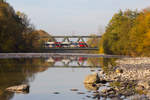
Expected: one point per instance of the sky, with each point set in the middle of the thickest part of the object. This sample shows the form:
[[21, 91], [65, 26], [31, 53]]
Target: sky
[[74, 17]]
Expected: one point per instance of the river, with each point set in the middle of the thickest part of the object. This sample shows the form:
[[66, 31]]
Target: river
[[50, 78]]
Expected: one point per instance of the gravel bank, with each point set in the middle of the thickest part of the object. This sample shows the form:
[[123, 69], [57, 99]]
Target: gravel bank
[[135, 72]]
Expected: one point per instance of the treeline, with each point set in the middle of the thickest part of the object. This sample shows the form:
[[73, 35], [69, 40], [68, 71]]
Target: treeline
[[17, 34], [128, 33]]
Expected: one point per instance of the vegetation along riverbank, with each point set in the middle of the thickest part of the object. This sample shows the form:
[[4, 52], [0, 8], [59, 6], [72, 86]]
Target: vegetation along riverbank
[[128, 33], [17, 34]]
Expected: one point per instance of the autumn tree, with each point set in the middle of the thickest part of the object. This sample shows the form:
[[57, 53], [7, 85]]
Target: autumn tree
[[115, 39], [16, 32], [140, 35]]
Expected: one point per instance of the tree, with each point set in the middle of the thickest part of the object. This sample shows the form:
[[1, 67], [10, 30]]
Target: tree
[[16, 34], [117, 32], [2, 1], [140, 35]]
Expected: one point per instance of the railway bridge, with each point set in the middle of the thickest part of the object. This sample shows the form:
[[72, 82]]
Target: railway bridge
[[70, 43]]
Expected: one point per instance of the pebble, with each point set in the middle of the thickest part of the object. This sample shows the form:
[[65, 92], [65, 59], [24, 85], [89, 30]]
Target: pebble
[[99, 69], [92, 70], [80, 93], [74, 90], [88, 91], [95, 92], [88, 96], [56, 93], [122, 97]]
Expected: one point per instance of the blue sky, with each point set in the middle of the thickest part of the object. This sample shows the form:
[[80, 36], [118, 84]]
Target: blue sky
[[70, 17]]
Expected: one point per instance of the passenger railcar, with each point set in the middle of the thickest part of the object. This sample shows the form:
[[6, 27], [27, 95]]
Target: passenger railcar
[[65, 45]]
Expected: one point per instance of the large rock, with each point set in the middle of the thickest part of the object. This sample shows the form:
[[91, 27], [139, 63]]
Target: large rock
[[91, 87], [92, 79], [19, 88]]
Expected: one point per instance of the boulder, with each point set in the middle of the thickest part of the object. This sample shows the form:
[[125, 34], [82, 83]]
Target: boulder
[[18, 88], [91, 87], [92, 79]]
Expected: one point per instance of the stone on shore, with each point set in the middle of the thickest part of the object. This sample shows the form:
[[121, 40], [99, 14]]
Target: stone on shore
[[119, 71], [18, 88], [91, 87], [92, 79], [144, 84], [56, 92], [74, 90]]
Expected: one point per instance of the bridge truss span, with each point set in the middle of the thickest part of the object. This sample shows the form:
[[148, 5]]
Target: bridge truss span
[[67, 43]]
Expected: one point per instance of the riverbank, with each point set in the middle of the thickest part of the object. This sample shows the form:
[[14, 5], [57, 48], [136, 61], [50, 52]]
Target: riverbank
[[37, 55], [129, 78], [132, 69]]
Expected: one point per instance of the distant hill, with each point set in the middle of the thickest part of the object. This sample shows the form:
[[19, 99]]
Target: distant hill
[[42, 34]]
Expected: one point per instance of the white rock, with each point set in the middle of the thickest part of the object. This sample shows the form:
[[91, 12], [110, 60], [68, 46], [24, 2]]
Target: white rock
[[23, 87]]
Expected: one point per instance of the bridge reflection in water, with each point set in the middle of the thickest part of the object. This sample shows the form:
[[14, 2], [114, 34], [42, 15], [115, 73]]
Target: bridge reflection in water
[[69, 61]]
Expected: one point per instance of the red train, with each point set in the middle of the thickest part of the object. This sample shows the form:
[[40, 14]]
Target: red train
[[66, 45], [82, 45]]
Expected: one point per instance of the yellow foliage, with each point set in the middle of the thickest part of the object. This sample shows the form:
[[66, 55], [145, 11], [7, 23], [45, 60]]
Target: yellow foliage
[[146, 41], [101, 49], [128, 34]]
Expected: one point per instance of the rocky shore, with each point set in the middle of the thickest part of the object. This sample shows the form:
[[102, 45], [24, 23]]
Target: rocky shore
[[128, 79]]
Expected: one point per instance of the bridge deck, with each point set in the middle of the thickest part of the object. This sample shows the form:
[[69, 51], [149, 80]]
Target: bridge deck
[[73, 37], [71, 49]]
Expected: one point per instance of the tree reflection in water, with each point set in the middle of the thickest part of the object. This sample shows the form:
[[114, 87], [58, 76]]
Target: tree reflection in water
[[18, 71], [23, 70]]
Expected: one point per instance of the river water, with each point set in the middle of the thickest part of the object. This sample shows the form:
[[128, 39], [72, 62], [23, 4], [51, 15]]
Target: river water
[[50, 78]]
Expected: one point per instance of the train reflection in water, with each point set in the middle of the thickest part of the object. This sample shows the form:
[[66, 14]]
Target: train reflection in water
[[68, 61]]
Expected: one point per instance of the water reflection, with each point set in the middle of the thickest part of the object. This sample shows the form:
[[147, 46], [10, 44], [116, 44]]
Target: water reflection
[[67, 61], [20, 71]]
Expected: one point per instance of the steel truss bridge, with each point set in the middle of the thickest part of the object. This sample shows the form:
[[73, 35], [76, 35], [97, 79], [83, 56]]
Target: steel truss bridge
[[69, 39]]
